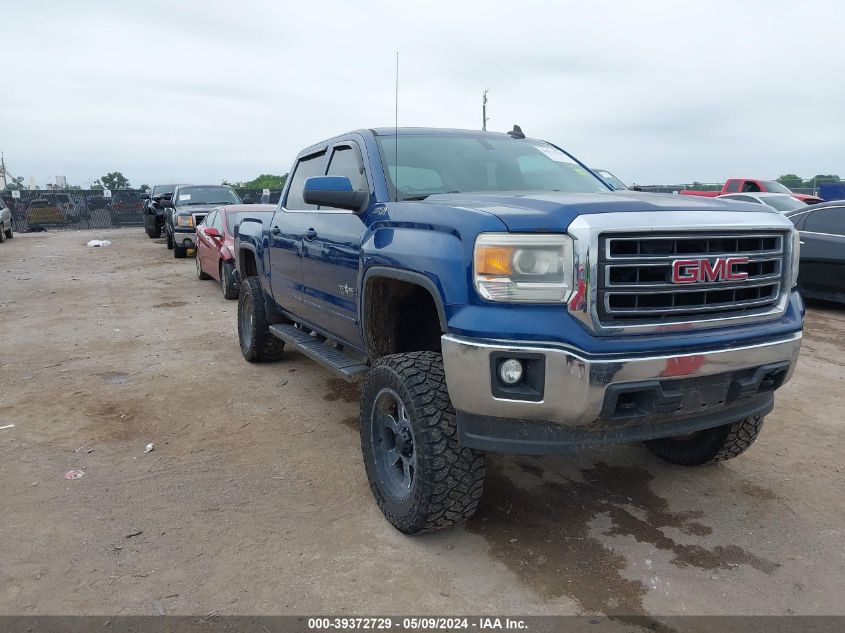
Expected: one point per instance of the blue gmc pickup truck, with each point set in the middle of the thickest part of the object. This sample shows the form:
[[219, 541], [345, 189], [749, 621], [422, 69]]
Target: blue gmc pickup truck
[[500, 297]]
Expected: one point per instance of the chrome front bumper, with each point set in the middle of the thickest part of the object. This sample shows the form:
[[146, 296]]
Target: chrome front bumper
[[577, 386], [185, 237]]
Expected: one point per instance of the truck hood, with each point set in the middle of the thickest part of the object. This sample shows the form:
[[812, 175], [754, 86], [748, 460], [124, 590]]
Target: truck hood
[[549, 211]]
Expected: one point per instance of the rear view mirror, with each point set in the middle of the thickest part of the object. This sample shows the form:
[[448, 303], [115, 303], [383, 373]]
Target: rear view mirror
[[334, 191]]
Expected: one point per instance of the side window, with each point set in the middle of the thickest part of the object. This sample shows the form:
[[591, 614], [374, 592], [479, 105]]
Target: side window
[[207, 220], [217, 223], [305, 168], [346, 161], [830, 220], [750, 187], [733, 186]]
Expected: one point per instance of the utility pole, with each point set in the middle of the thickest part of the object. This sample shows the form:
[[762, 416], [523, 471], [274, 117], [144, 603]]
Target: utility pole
[[484, 117]]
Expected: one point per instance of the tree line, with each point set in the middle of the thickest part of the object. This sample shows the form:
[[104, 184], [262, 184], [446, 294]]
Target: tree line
[[793, 181], [115, 180]]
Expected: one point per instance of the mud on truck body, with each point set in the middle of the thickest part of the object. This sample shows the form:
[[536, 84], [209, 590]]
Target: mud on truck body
[[499, 297]]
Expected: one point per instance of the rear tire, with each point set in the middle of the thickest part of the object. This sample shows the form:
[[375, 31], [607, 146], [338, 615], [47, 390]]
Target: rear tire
[[227, 280], [709, 446], [2, 236], [153, 233], [10, 233], [179, 252], [257, 343], [421, 477]]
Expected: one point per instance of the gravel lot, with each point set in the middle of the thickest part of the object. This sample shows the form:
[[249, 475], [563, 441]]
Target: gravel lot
[[254, 500]]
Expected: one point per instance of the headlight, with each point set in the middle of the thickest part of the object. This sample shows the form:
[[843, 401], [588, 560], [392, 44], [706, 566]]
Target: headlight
[[184, 220], [796, 258], [523, 268]]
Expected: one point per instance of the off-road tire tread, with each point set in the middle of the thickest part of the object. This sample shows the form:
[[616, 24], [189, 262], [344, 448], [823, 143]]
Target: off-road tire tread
[[450, 477], [265, 346], [710, 446]]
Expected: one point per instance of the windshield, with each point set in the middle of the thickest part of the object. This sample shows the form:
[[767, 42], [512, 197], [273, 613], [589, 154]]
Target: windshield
[[785, 203], [160, 189], [206, 195], [773, 186], [430, 164], [233, 219], [610, 179]]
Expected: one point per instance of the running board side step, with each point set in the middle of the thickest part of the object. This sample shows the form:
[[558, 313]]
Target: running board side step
[[344, 366]]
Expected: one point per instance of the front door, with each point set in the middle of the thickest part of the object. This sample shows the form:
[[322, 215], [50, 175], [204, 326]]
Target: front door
[[331, 245]]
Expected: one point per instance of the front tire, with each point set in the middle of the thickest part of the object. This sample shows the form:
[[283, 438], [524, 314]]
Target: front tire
[[179, 252], [227, 280], [9, 233], [202, 275], [257, 343], [709, 446], [169, 242], [154, 232], [421, 477]]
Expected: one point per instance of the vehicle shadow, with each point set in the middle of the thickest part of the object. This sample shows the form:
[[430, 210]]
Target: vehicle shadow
[[544, 519]]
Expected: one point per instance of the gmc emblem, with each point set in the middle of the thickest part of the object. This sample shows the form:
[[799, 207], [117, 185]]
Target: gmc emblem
[[692, 271]]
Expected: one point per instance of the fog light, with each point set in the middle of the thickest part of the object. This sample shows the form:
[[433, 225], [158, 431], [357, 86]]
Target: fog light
[[510, 371]]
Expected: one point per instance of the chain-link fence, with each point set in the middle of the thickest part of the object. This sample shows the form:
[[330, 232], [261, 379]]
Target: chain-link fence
[[77, 209]]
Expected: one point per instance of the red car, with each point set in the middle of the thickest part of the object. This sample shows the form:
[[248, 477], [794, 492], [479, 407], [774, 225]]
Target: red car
[[752, 185], [216, 243]]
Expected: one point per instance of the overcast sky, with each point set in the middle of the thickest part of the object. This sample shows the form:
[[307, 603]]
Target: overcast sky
[[656, 92]]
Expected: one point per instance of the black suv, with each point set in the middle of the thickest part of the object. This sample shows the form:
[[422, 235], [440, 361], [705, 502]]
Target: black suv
[[186, 208], [154, 210]]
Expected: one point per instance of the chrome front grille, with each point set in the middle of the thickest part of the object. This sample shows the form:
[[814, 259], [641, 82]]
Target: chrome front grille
[[635, 276]]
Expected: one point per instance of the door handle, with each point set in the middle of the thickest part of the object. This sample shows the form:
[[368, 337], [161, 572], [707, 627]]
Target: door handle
[[275, 230], [310, 234]]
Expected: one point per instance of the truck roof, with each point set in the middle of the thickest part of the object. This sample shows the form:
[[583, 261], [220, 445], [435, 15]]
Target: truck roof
[[403, 131]]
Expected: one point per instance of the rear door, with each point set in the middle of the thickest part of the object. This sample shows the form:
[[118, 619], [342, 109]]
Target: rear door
[[331, 247], [286, 230], [823, 252]]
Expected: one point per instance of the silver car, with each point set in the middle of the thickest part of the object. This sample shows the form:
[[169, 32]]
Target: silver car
[[780, 202], [5, 222]]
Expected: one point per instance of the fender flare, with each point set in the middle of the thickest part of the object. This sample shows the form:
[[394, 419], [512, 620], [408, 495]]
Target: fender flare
[[403, 275]]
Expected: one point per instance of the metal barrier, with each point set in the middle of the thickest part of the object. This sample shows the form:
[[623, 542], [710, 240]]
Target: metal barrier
[[75, 209]]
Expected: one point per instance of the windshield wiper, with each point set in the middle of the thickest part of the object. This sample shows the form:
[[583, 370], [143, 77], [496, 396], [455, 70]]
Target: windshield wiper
[[423, 197]]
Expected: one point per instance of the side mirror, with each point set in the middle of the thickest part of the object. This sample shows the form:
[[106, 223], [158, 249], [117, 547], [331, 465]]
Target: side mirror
[[334, 191], [212, 232]]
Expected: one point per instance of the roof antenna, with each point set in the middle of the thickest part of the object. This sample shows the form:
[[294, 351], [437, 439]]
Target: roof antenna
[[516, 132], [396, 132]]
